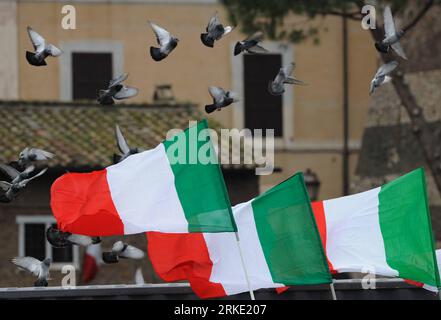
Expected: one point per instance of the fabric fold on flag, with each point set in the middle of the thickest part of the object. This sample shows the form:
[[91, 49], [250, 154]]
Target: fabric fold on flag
[[385, 231], [176, 187], [279, 241]]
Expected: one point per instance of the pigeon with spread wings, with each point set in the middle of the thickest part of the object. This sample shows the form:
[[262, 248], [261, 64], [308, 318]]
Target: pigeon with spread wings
[[221, 99], [42, 49], [116, 90], [214, 31], [392, 36], [166, 41], [38, 268], [250, 45], [277, 87]]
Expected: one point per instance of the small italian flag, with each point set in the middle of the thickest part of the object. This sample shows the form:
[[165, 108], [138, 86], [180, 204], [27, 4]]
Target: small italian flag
[[385, 231], [176, 187], [279, 241]]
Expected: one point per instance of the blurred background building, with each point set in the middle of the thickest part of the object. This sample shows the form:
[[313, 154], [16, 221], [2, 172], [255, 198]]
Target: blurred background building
[[54, 107]]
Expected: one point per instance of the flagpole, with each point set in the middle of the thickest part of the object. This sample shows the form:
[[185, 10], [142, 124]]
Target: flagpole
[[334, 295], [244, 268]]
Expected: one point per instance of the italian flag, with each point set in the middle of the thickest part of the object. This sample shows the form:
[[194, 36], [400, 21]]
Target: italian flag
[[385, 231], [279, 241], [176, 187]]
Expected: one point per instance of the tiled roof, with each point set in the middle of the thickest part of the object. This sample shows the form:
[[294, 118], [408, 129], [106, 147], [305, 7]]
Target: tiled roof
[[82, 134]]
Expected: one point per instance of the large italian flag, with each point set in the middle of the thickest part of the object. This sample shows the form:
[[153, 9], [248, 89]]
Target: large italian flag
[[176, 187], [279, 241], [385, 231]]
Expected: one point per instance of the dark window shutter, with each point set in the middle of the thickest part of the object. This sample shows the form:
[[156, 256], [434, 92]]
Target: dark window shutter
[[35, 240], [91, 72], [262, 110]]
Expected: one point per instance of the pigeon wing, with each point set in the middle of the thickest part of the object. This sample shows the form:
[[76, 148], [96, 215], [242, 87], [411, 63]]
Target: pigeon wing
[[291, 80], [9, 171], [257, 36], [53, 50], [162, 36], [80, 240], [4, 186], [118, 80], [29, 264], [36, 39], [399, 50], [25, 181], [132, 252], [257, 49], [386, 69], [228, 29], [125, 93], [213, 23], [389, 24], [288, 70], [216, 93], [121, 141], [42, 154]]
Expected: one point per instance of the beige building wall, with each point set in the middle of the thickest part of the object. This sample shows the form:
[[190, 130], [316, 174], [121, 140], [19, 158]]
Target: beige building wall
[[317, 116], [8, 61]]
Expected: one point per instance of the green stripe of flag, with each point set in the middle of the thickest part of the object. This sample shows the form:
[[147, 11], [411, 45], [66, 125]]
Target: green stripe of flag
[[289, 236], [406, 228], [207, 208]]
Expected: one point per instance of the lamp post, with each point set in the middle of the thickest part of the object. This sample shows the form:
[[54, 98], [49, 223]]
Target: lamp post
[[312, 183]]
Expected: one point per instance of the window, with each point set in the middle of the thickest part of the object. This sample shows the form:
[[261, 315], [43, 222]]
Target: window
[[262, 110], [91, 72], [87, 66], [257, 108], [32, 242]]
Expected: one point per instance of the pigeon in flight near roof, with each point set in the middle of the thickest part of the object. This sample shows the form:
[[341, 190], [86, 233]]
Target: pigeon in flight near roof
[[250, 45], [42, 49], [276, 87], [221, 99], [19, 181], [123, 146], [382, 76], [392, 36], [31, 155], [38, 268], [116, 90], [166, 41], [214, 31], [122, 250]]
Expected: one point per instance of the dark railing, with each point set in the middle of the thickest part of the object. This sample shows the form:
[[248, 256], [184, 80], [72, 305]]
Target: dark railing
[[386, 289]]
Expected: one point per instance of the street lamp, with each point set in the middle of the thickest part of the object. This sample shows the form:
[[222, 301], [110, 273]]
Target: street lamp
[[312, 183]]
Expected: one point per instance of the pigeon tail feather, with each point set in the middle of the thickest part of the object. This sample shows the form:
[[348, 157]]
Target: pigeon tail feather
[[156, 54], [210, 108], [32, 59], [207, 40], [237, 48]]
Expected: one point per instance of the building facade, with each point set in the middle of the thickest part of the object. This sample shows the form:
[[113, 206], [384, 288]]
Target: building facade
[[112, 37]]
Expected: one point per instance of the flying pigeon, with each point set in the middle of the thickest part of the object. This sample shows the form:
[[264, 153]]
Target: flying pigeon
[[10, 190], [42, 49], [250, 45], [221, 99], [116, 90], [30, 155], [276, 87], [61, 239], [122, 250], [123, 146], [382, 75], [215, 31], [392, 36], [38, 268], [166, 41]]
